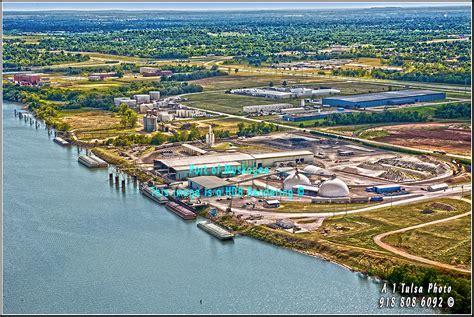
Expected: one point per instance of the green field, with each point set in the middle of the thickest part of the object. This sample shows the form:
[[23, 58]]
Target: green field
[[229, 103], [447, 242], [364, 226]]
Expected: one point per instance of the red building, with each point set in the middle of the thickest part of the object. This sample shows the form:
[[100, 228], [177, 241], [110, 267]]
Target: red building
[[27, 79]]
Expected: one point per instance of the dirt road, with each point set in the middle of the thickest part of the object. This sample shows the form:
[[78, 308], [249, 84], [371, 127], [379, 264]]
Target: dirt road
[[378, 241]]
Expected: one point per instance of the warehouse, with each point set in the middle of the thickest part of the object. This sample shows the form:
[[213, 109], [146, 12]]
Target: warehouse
[[212, 185], [179, 167], [267, 108], [384, 98]]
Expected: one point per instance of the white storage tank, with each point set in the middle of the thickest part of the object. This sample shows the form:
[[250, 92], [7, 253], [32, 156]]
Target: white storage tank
[[142, 99], [154, 95]]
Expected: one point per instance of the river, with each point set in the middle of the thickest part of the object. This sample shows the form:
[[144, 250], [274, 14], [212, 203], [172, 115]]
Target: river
[[74, 244]]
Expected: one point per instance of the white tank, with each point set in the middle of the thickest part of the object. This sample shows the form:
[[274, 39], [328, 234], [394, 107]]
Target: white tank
[[142, 98], [154, 95]]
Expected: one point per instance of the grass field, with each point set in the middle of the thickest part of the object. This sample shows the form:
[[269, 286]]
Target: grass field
[[364, 226], [228, 103], [91, 124], [297, 207], [449, 242]]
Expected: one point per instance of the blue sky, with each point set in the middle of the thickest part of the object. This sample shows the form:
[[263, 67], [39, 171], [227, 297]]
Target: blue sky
[[210, 5]]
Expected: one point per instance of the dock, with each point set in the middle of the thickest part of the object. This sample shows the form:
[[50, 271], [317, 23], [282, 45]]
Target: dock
[[60, 141], [215, 230], [155, 196], [91, 161]]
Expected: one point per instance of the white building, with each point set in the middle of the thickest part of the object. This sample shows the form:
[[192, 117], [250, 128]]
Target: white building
[[333, 188], [265, 93], [267, 108]]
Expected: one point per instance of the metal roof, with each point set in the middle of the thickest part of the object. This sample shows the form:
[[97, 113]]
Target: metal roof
[[204, 159], [178, 162], [385, 95], [281, 154], [209, 182], [194, 148]]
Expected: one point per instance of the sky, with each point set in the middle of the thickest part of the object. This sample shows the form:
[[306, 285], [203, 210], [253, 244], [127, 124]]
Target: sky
[[210, 5]]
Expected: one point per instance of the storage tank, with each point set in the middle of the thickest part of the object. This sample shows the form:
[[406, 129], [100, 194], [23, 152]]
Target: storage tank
[[142, 98], [154, 95], [149, 122]]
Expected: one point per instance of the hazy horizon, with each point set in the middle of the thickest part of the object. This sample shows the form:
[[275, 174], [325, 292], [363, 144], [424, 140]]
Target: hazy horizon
[[213, 6]]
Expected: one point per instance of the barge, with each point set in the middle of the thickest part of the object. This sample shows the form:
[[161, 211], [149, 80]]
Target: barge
[[155, 196], [60, 141], [91, 161], [215, 230], [180, 210]]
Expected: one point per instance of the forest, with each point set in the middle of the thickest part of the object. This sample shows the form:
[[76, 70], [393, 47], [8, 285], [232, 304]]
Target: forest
[[431, 44]]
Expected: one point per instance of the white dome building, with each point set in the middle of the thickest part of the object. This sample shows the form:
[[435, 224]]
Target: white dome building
[[295, 179], [312, 169], [315, 170], [333, 188]]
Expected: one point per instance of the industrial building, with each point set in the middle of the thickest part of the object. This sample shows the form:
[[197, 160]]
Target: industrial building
[[295, 179], [283, 92], [265, 93], [332, 188], [209, 183], [267, 108], [27, 79], [180, 167], [309, 92], [384, 189], [384, 98]]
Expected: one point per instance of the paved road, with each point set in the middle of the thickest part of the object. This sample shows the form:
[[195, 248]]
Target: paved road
[[380, 243], [279, 215]]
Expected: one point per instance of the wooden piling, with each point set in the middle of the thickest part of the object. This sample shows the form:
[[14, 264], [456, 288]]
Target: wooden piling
[[116, 180], [123, 185], [111, 177]]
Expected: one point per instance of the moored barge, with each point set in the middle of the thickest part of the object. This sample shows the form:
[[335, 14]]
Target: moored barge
[[91, 161], [180, 210], [153, 195], [215, 230], [60, 141]]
